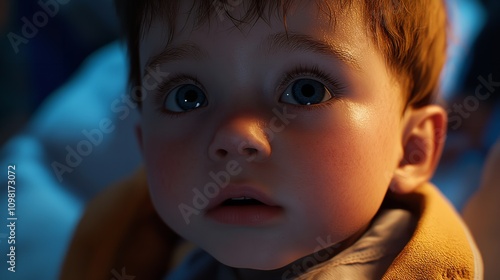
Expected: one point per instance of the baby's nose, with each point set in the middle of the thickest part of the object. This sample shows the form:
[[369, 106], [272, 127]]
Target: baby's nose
[[241, 138]]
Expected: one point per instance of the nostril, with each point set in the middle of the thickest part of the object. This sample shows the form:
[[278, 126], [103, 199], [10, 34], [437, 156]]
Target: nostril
[[221, 153], [250, 151]]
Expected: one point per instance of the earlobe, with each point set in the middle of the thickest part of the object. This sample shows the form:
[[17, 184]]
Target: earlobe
[[423, 140]]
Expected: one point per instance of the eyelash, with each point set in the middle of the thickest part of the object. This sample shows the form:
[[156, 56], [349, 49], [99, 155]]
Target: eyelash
[[170, 84], [302, 71]]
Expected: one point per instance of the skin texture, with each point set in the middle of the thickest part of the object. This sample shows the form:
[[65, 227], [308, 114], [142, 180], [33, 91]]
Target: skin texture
[[328, 168]]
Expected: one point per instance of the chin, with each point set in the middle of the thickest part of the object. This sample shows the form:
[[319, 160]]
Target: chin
[[256, 265], [258, 261]]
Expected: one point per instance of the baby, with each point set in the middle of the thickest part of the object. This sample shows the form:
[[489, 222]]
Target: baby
[[285, 140]]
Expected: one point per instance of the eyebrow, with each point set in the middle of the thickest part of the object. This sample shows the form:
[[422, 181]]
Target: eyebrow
[[274, 43], [186, 50], [300, 42]]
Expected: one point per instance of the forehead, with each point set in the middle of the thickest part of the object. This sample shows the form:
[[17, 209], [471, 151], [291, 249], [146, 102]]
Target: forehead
[[338, 30]]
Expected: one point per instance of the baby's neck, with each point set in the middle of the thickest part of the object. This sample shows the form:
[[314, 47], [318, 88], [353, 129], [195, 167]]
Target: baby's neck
[[300, 266]]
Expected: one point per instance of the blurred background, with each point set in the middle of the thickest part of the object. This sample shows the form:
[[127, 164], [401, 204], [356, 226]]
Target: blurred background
[[33, 68], [46, 64]]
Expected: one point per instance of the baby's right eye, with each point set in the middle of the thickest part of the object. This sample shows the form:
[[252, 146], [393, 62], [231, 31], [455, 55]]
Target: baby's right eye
[[185, 98], [306, 92]]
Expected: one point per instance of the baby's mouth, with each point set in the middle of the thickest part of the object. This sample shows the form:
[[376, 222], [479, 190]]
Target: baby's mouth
[[241, 201], [243, 206]]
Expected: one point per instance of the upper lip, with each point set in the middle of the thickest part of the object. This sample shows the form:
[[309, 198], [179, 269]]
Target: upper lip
[[236, 191]]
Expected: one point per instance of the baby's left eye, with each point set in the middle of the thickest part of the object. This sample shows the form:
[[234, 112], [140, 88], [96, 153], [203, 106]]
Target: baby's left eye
[[185, 98], [306, 92]]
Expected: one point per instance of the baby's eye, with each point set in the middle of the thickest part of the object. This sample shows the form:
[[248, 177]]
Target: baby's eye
[[306, 92], [185, 98]]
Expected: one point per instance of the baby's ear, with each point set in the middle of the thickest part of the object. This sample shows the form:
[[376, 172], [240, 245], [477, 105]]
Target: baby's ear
[[422, 139]]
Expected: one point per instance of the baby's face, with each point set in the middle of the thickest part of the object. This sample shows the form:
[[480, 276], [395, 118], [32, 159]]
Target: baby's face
[[304, 133]]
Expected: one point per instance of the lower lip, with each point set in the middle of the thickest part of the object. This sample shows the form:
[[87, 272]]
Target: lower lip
[[248, 215]]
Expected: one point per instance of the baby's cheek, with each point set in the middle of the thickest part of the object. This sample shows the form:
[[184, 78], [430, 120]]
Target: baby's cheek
[[163, 178], [166, 198]]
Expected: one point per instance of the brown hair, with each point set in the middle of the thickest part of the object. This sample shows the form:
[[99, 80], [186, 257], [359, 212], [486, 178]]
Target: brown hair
[[411, 34]]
